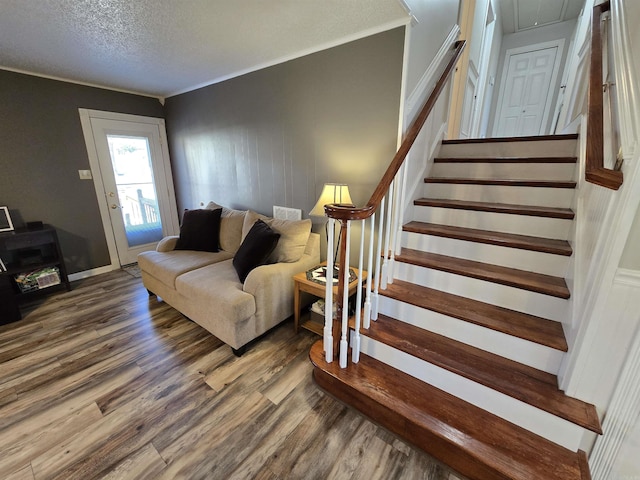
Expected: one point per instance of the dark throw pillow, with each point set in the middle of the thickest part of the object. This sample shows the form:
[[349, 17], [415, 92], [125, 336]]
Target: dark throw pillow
[[255, 249], [200, 230]]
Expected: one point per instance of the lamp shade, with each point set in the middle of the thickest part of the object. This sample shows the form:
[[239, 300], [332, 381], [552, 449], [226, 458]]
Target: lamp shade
[[331, 193]]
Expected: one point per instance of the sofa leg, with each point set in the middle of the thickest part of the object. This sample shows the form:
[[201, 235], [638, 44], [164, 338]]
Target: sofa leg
[[240, 351], [151, 294]]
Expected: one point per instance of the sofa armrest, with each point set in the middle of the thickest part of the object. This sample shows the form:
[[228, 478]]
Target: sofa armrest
[[283, 271], [276, 276], [167, 244], [272, 285]]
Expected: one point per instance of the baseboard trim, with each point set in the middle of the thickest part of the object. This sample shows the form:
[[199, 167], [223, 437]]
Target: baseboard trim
[[625, 276], [92, 273]]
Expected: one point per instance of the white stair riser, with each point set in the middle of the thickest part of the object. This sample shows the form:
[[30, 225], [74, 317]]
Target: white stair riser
[[527, 260], [555, 228], [538, 421], [545, 148], [505, 171], [517, 349], [524, 301], [537, 196]]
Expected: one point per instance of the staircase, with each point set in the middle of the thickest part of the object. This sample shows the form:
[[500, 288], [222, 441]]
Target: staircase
[[463, 358]]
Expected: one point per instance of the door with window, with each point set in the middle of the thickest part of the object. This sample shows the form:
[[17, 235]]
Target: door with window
[[133, 181]]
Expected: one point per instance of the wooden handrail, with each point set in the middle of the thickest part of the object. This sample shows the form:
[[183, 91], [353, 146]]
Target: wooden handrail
[[349, 212], [595, 171], [343, 213]]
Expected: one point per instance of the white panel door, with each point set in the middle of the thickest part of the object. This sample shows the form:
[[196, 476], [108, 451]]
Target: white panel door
[[526, 93]]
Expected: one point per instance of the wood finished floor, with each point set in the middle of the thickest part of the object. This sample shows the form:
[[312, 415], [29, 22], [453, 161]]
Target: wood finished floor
[[105, 382]]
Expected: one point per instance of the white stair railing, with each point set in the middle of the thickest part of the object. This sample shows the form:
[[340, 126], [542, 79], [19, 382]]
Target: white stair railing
[[384, 212]]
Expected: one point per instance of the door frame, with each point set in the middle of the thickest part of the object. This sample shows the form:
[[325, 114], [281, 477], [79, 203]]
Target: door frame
[[171, 227], [559, 43], [458, 84], [483, 68], [469, 103]]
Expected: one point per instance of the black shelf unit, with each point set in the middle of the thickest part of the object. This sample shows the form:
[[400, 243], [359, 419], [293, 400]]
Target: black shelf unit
[[25, 250]]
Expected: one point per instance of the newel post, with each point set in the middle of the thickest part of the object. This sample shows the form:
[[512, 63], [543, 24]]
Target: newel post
[[338, 299]]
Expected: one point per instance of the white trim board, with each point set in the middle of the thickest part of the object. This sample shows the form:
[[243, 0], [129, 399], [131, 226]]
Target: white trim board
[[98, 182], [625, 276], [554, 77], [84, 84], [92, 153], [92, 272]]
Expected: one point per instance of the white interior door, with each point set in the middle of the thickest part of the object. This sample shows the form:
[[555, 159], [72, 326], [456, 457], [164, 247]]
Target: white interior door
[[133, 181], [526, 92]]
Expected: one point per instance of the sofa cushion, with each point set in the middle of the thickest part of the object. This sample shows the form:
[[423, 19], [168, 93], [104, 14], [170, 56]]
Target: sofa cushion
[[294, 235], [200, 230], [230, 227], [167, 266], [255, 249], [217, 288]]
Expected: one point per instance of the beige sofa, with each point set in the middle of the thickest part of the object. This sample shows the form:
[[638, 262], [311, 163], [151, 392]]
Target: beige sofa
[[205, 287]]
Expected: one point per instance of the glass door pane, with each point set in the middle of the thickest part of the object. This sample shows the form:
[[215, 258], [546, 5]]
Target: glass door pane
[[131, 161]]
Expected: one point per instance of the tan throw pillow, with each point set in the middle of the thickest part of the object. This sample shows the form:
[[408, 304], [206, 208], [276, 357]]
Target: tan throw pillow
[[231, 223], [294, 235]]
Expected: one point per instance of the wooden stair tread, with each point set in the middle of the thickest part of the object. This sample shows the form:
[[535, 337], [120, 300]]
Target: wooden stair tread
[[525, 242], [534, 211], [474, 442], [522, 325], [534, 282], [519, 381], [516, 160], [502, 183], [536, 138]]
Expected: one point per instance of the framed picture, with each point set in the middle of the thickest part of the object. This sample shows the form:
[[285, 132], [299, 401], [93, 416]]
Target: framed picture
[[6, 225]]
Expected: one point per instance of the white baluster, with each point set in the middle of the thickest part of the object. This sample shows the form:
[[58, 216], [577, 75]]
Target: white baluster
[[355, 346], [376, 279], [328, 297], [344, 269], [367, 301], [385, 252], [394, 225], [401, 210]]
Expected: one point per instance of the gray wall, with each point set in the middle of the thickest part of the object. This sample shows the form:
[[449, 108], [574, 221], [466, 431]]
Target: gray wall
[[275, 136], [42, 148], [435, 18]]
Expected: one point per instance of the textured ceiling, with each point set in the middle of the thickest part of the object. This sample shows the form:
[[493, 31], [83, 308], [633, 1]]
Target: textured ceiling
[[164, 47], [518, 15]]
